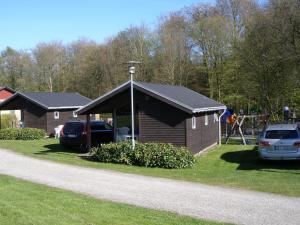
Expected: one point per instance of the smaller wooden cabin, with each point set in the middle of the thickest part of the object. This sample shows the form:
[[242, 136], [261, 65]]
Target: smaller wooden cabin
[[163, 113], [45, 110]]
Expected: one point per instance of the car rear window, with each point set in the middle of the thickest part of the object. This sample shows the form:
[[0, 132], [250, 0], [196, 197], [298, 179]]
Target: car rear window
[[281, 134], [100, 126], [73, 126]]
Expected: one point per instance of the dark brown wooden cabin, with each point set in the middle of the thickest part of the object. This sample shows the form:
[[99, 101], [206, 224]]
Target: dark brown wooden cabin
[[163, 113], [45, 110]]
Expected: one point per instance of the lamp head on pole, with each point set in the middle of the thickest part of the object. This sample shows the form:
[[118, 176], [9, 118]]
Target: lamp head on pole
[[132, 69], [131, 66]]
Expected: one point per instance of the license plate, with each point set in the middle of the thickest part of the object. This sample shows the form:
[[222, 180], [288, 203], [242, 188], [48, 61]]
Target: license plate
[[281, 148], [71, 135]]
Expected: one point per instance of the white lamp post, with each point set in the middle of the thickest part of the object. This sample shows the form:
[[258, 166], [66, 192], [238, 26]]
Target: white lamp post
[[132, 72]]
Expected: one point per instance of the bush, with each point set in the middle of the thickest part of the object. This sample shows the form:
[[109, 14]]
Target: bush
[[148, 154], [113, 152], [21, 134]]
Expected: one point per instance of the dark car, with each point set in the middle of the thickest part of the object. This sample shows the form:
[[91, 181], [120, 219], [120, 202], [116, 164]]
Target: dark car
[[74, 133]]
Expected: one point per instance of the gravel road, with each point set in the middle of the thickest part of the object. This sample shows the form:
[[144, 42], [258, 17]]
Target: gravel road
[[185, 198]]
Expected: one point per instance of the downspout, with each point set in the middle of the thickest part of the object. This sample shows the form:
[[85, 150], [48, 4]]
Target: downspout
[[220, 131]]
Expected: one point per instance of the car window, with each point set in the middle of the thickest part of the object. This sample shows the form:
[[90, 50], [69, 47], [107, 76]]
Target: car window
[[96, 126], [73, 126], [281, 134], [100, 126]]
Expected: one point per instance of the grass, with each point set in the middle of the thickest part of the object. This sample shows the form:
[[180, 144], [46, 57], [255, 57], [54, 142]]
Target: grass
[[24, 203], [229, 165]]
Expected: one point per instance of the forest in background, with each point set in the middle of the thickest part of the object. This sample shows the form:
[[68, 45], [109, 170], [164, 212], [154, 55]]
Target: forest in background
[[238, 52]]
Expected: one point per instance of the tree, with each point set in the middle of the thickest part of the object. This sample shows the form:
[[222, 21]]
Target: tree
[[209, 31], [15, 68], [269, 56], [48, 62], [173, 50]]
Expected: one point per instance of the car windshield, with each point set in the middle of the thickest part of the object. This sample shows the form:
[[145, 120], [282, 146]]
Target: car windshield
[[281, 134]]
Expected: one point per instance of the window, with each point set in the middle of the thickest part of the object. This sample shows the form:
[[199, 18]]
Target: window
[[216, 118], [194, 122], [206, 120], [281, 134], [74, 114], [56, 115]]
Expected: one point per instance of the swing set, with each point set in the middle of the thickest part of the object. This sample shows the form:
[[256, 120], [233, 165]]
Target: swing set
[[237, 126]]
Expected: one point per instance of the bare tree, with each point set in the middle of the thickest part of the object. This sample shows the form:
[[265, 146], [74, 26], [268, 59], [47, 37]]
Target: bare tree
[[173, 50], [48, 61]]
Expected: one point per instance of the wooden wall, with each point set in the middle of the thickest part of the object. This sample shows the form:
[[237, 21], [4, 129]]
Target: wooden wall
[[35, 117], [204, 135], [160, 122], [64, 116]]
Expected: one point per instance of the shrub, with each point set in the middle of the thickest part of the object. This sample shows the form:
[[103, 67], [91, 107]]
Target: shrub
[[113, 152], [148, 154], [21, 134]]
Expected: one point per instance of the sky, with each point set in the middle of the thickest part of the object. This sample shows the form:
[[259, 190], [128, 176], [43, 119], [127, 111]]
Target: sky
[[25, 23]]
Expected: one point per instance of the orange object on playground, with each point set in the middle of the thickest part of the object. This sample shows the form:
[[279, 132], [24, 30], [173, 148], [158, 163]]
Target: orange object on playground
[[232, 118]]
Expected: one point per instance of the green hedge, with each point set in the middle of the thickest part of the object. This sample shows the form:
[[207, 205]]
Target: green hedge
[[148, 154], [21, 134]]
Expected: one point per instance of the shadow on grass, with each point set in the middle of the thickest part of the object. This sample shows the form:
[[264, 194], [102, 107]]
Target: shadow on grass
[[57, 148], [238, 141], [248, 160]]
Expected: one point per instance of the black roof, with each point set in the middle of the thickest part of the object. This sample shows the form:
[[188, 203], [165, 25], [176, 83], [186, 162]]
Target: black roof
[[182, 95], [52, 100], [177, 96]]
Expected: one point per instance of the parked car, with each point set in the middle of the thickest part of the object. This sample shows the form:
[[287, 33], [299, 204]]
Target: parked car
[[280, 142], [74, 133]]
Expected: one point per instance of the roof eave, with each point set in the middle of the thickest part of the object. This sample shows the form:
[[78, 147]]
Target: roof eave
[[33, 101], [64, 107], [209, 109], [87, 107], [8, 99], [11, 98]]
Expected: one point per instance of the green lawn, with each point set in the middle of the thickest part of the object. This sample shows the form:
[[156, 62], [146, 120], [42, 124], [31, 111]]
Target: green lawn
[[228, 165], [26, 203]]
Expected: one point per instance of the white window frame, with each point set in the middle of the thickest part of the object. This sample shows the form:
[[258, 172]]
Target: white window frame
[[216, 117], [194, 123], [206, 120], [56, 115], [75, 114]]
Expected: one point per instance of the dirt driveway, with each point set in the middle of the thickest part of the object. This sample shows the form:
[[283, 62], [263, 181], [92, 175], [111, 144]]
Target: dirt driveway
[[186, 198]]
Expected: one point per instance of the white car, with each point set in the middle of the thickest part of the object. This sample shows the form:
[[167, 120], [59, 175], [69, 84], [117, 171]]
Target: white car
[[280, 142]]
